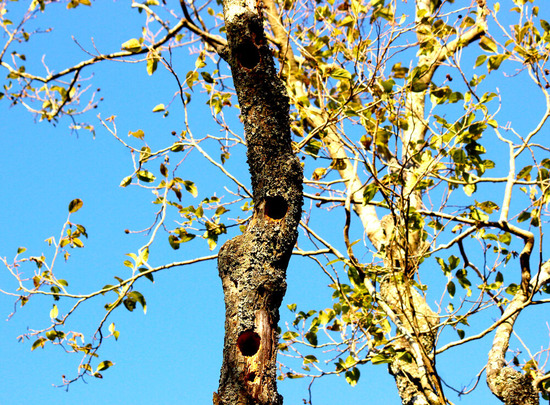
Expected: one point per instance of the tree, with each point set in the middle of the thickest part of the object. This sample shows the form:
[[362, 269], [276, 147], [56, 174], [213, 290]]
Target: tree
[[396, 115]]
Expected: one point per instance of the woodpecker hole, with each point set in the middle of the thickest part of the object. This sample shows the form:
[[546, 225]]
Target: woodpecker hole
[[248, 55], [275, 207], [251, 376], [248, 343]]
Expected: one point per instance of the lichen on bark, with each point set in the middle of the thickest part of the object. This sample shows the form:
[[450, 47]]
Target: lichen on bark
[[253, 265]]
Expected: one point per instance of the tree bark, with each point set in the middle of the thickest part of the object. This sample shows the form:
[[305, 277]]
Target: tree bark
[[507, 384], [253, 265]]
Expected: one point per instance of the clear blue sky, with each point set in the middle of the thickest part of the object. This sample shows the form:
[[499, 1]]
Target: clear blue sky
[[173, 353]]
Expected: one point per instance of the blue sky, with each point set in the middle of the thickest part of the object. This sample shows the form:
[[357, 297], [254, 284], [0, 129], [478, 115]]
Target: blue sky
[[173, 353]]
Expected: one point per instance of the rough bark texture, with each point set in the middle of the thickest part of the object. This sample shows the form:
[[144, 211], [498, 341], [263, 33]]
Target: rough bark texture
[[417, 382], [253, 266], [507, 384], [512, 387]]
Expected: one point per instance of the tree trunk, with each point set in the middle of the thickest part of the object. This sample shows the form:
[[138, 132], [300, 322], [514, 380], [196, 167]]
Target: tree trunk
[[253, 265], [507, 384]]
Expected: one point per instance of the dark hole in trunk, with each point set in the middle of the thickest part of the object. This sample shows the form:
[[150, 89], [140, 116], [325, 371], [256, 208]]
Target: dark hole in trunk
[[275, 207], [248, 55], [248, 343]]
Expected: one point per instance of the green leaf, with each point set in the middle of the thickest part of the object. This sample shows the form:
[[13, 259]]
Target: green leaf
[[493, 123], [130, 304], [207, 77], [340, 73], [221, 210], [290, 335], [152, 62], [212, 242], [480, 60], [126, 181], [399, 72], [56, 290], [534, 218], [469, 189], [350, 361], [144, 255], [114, 332], [461, 333], [347, 21], [387, 85], [145, 176], [512, 289], [293, 376], [76, 3], [369, 193], [21, 249], [487, 44], [136, 296], [313, 147], [190, 187], [132, 45], [453, 262], [148, 276], [523, 216], [144, 154], [338, 164], [495, 61], [352, 376], [525, 173], [163, 170], [326, 316], [310, 359], [380, 358], [75, 205], [51, 335], [40, 342], [451, 288], [405, 356], [505, 238], [191, 78], [311, 337], [174, 242], [177, 147], [487, 206]]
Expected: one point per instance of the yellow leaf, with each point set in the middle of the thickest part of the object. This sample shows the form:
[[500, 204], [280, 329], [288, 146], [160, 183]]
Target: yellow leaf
[[54, 312], [159, 108]]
